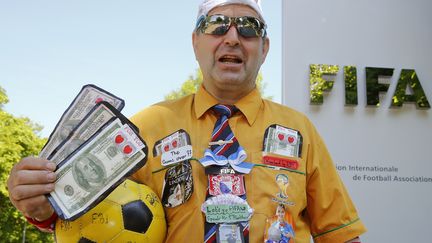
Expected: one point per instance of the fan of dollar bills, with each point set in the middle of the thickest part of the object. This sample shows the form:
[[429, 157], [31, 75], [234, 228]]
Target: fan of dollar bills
[[95, 148]]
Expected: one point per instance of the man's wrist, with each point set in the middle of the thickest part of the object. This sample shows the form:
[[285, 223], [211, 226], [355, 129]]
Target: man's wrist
[[46, 225]]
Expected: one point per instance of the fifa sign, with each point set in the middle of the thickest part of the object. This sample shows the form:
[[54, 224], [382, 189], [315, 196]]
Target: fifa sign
[[408, 88]]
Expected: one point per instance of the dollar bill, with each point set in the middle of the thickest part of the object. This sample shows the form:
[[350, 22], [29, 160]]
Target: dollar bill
[[269, 144], [88, 97], [93, 122], [86, 176], [276, 142]]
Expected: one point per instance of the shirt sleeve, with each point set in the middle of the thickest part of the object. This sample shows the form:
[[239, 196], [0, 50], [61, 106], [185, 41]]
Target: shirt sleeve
[[332, 214]]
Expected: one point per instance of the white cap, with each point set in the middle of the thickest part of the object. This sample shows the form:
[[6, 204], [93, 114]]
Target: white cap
[[207, 5]]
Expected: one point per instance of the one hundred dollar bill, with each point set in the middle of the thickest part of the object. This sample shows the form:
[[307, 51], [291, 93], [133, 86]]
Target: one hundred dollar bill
[[87, 98], [97, 118], [87, 175]]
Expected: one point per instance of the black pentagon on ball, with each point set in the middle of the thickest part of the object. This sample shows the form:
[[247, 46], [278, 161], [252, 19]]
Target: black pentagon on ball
[[85, 240], [137, 216]]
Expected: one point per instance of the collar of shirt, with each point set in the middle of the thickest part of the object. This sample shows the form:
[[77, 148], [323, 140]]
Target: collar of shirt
[[248, 105]]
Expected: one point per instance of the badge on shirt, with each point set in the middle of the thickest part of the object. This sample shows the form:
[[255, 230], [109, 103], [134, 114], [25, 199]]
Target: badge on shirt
[[283, 141], [178, 185], [226, 208], [226, 184], [174, 148], [280, 227], [230, 233], [283, 183], [280, 162]]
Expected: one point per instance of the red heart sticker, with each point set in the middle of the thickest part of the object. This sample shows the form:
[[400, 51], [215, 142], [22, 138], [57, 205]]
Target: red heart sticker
[[166, 148], [291, 139], [281, 136], [119, 139], [174, 143], [127, 149], [99, 100]]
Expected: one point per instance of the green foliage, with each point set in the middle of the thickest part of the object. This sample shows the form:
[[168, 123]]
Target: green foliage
[[189, 86], [262, 86], [3, 97], [18, 139], [192, 84]]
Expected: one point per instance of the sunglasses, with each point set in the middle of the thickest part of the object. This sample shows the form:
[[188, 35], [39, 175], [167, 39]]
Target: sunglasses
[[246, 26]]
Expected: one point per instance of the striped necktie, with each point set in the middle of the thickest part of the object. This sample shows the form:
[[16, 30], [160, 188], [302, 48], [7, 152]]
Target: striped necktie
[[225, 150], [223, 143], [223, 140]]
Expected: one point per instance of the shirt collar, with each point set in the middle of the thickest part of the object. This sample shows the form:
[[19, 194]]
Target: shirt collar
[[248, 105]]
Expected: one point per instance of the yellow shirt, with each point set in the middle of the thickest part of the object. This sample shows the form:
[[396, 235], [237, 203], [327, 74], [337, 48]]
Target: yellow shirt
[[318, 202]]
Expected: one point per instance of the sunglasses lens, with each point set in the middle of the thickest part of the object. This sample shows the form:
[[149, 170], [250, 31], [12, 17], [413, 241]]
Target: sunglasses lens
[[216, 25], [249, 27], [246, 31]]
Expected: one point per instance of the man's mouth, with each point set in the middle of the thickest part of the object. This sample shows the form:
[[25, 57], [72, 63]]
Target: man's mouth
[[229, 59]]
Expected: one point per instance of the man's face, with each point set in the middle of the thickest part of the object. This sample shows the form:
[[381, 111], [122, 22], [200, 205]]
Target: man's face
[[230, 62]]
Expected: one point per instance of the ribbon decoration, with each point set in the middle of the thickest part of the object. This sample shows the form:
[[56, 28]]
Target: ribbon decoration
[[235, 160]]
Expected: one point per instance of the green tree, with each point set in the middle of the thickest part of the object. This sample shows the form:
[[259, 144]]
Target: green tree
[[192, 84], [18, 139]]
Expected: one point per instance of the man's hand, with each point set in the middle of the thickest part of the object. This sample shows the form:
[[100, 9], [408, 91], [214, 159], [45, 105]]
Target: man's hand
[[28, 182]]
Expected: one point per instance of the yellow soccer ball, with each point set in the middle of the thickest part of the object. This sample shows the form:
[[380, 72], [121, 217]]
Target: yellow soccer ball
[[131, 213]]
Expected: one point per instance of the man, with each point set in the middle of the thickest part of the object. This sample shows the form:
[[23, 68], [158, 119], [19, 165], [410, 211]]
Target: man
[[265, 141]]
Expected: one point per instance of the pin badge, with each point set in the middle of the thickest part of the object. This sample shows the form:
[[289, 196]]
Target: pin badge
[[178, 185], [280, 162], [282, 141], [226, 208], [282, 181], [174, 148], [226, 184], [280, 227], [230, 233]]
